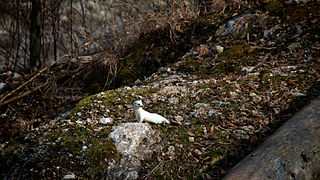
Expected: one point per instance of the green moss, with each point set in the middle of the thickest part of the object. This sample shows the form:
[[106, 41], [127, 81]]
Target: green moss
[[82, 103], [144, 57], [226, 67], [113, 101], [92, 173], [198, 130], [9, 154], [238, 52], [101, 152], [201, 68], [210, 20], [81, 144], [160, 48], [274, 7], [73, 147]]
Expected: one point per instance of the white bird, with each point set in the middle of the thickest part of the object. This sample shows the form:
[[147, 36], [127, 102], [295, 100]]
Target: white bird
[[143, 115]]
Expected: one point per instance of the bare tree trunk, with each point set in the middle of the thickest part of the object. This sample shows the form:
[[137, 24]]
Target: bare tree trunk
[[35, 34], [293, 152]]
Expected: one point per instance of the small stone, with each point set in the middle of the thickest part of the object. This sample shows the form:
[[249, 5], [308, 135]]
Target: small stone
[[287, 67], [219, 49], [178, 118], [104, 120], [138, 82], [233, 94], [187, 123], [174, 100], [69, 176], [230, 24], [298, 94], [2, 85], [252, 94], [171, 150], [127, 88], [248, 128], [16, 76], [306, 60], [191, 139], [194, 82], [204, 105], [211, 112], [248, 69], [79, 122], [194, 53], [89, 120], [276, 110], [257, 99]]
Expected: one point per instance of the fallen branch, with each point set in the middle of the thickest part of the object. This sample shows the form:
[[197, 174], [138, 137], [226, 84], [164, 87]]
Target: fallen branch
[[153, 170], [41, 71], [22, 95]]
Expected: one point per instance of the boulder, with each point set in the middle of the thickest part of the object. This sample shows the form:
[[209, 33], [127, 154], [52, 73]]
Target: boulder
[[291, 153], [135, 142]]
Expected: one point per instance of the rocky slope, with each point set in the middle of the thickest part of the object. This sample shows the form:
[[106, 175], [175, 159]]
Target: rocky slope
[[228, 94]]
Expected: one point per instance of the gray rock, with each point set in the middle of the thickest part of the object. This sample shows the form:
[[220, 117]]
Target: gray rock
[[2, 85], [69, 176], [178, 118], [135, 142], [219, 48], [292, 152], [104, 120], [271, 31], [236, 26], [16, 76]]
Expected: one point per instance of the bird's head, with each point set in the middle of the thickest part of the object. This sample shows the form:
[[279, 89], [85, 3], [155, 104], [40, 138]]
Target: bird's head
[[137, 104]]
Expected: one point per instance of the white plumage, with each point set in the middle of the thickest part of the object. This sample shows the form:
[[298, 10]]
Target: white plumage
[[143, 115]]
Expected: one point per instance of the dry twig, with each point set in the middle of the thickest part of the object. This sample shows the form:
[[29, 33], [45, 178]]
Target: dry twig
[[22, 95], [35, 76]]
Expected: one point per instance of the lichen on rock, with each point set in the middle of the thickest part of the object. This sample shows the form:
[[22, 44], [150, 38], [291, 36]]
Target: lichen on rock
[[135, 142]]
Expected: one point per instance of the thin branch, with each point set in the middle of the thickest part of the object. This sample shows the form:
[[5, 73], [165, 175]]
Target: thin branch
[[22, 95], [41, 71], [154, 169]]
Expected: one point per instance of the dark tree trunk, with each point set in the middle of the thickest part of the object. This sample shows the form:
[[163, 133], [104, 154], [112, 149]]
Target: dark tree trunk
[[293, 152], [35, 34]]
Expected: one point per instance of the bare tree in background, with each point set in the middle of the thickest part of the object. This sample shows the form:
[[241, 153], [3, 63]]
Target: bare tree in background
[[35, 34]]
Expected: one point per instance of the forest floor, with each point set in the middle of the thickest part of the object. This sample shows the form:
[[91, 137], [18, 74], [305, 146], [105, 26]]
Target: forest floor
[[229, 100]]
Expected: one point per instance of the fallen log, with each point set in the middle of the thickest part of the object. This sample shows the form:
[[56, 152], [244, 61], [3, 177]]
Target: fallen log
[[292, 152]]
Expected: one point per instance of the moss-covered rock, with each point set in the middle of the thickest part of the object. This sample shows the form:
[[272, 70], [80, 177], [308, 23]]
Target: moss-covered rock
[[53, 151]]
